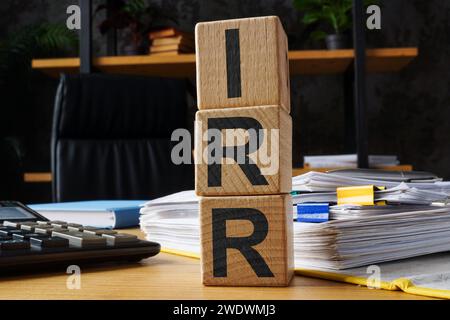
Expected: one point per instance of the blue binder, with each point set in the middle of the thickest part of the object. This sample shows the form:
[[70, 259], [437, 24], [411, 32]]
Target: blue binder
[[102, 214]]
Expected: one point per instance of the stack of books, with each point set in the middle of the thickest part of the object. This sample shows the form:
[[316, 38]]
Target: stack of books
[[341, 220], [171, 41]]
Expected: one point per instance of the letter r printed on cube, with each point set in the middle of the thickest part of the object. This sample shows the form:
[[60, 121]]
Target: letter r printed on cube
[[243, 151]]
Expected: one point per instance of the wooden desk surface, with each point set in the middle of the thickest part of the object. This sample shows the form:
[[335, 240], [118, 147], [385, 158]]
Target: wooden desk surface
[[172, 277]]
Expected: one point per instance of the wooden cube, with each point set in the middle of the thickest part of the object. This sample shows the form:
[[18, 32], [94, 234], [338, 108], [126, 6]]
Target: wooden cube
[[247, 241], [242, 62], [243, 151]]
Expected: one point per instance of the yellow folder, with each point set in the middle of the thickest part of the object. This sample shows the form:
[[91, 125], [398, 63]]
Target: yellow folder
[[434, 288]]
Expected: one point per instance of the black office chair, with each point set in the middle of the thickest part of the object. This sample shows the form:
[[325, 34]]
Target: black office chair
[[111, 138]]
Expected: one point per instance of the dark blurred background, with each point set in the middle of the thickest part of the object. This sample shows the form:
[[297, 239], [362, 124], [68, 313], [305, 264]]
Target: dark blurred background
[[409, 111]]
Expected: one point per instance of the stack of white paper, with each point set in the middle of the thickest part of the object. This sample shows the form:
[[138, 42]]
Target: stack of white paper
[[360, 236], [348, 161], [354, 242], [173, 221], [347, 211], [322, 182], [402, 193]]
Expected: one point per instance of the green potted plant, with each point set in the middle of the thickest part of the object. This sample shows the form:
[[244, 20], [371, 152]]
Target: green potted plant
[[334, 15], [135, 16]]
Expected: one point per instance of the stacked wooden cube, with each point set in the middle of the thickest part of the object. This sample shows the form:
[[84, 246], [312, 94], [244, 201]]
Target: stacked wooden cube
[[245, 206]]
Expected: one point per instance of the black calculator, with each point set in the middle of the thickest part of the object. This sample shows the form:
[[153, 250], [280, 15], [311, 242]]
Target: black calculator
[[29, 241]]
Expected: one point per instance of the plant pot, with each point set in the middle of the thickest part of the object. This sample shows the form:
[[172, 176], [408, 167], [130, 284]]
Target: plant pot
[[336, 41]]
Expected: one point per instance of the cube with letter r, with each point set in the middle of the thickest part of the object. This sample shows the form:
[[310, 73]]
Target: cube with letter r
[[243, 151], [247, 241]]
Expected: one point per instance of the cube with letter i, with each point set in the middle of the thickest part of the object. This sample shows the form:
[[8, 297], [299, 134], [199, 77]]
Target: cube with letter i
[[242, 63]]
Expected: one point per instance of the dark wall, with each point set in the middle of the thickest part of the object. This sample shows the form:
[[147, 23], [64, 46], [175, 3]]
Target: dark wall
[[409, 111]]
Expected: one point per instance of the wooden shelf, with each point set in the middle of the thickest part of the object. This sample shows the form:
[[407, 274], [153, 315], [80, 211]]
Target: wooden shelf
[[312, 62], [389, 60], [182, 65], [37, 177], [303, 62], [40, 177]]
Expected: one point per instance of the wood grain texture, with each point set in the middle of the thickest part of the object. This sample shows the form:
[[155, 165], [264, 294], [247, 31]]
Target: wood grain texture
[[275, 248], [167, 276], [233, 179], [264, 70]]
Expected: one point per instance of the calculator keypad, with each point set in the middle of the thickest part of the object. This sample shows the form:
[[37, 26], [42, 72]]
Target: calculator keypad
[[49, 242], [58, 234], [43, 245], [14, 245]]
